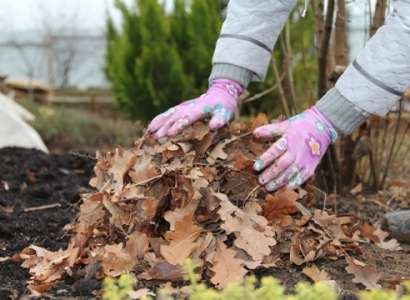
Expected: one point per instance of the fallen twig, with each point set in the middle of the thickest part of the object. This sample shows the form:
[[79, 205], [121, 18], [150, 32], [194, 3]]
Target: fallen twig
[[42, 207]]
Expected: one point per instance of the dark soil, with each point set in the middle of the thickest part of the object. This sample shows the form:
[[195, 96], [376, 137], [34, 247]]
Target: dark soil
[[29, 178]]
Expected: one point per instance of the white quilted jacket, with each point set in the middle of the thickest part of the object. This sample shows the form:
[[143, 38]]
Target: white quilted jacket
[[374, 82]]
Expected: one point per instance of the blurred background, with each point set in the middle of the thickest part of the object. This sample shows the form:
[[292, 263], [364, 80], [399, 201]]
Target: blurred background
[[92, 73]]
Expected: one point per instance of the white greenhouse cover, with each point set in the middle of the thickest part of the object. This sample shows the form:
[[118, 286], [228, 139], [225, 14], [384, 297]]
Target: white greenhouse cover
[[14, 131]]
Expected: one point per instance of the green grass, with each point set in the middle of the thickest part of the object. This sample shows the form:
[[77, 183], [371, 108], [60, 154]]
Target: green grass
[[81, 127]]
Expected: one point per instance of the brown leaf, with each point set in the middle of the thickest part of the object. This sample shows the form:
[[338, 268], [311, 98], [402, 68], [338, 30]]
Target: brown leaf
[[137, 244], [115, 260], [47, 266], [121, 162], [195, 132], [392, 244], [378, 236], [315, 274], [241, 161], [279, 205], [163, 271], [38, 290], [143, 170], [260, 120], [182, 242], [331, 223], [178, 214], [198, 179], [367, 231], [91, 213], [226, 267], [218, 151], [119, 216], [299, 253], [251, 229], [364, 274]]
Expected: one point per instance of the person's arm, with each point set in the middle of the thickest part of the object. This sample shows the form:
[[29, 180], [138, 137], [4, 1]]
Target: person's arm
[[242, 53], [372, 84], [377, 79], [244, 48]]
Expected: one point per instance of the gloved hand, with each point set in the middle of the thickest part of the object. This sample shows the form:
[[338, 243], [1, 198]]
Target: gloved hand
[[219, 102], [294, 157]]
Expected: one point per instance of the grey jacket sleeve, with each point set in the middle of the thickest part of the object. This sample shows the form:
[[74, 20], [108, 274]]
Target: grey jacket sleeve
[[377, 79], [249, 33]]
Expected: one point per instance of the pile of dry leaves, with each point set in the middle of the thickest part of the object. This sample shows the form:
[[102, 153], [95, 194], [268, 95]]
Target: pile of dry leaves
[[196, 196]]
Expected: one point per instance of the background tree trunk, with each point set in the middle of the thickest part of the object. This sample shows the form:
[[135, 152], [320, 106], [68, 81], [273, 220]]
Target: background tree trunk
[[379, 16], [346, 144], [328, 178]]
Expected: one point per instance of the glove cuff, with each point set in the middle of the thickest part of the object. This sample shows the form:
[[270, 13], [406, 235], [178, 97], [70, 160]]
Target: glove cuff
[[227, 71], [342, 114]]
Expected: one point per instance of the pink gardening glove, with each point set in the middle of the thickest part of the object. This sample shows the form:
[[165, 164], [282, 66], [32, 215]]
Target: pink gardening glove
[[219, 102], [294, 157]]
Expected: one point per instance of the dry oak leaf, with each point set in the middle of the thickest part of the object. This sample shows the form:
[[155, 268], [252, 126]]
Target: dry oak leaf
[[119, 216], [143, 170], [37, 290], [331, 223], [137, 244], [101, 168], [116, 259], [364, 274], [260, 120], [315, 274], [91, 213], [241, 161], [302, 251], [392, 244], [163, 270], [226, 266], [121, 162], [378, 236], [198, 179], [182, 241], [174, 216], [280, 205], [251, 229], [218, 151], [47, 266], [195, 132]]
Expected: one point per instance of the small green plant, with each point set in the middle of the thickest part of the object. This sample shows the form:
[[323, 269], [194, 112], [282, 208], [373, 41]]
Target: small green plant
[[118, 289], [268, 289]]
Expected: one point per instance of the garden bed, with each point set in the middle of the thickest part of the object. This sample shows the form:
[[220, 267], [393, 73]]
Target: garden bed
[[40, 196]]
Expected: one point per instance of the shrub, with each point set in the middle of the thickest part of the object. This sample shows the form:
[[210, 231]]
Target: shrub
[[155, 58], [268, 289]]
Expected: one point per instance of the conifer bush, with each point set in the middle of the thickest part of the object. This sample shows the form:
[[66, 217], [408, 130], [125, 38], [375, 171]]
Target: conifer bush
[[158, 58]]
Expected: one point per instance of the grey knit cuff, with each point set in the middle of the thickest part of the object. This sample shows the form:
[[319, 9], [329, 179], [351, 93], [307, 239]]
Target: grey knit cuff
[[227, 71], [343, 114]]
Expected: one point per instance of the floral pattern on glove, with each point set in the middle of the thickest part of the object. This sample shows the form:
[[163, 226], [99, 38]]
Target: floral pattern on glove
[[292, 159], [219, 102]]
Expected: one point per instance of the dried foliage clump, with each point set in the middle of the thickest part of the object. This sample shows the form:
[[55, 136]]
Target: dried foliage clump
[[195, 196]]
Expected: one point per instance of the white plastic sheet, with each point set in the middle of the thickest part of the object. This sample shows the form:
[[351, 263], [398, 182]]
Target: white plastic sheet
[[9, 105], [14, 131]]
